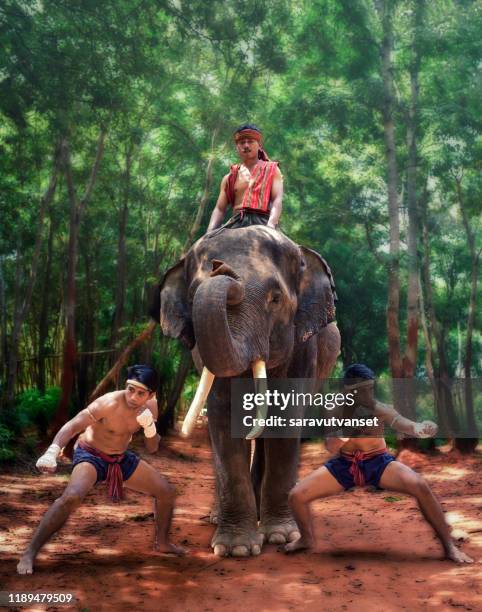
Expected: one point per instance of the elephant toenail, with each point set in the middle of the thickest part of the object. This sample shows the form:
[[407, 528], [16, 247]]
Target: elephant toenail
[[277, 538], [220, 550]]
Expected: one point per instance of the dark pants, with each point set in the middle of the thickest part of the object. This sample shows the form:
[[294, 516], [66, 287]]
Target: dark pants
[[245, 218]]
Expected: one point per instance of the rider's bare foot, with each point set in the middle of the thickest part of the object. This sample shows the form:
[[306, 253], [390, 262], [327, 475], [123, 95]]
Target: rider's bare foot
[[297, 545], [25, 565], [456, 555], [170, 549]]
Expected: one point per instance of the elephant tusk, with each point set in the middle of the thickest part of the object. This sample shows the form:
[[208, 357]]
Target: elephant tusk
[[261, 386], [202, 392]]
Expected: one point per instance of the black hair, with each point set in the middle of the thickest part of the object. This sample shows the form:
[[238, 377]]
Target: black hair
[[143, 374], [357, 371], [247, 126]]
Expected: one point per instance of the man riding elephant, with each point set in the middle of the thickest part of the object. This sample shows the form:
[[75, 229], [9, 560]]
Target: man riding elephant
[[253, 188], [250, 301]]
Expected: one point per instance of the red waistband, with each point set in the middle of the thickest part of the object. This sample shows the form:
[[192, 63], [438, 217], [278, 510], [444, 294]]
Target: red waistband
[[355, 459], [360, 455], [114, 473]]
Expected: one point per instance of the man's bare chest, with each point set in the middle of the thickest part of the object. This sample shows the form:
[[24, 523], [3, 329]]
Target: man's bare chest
[[240, 187], [120, 425]]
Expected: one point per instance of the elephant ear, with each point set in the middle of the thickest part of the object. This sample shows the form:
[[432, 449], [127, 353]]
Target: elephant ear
[[170, 306], [316, 296]]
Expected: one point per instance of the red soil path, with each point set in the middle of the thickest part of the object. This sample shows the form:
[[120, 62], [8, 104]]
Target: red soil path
[[375, 551]]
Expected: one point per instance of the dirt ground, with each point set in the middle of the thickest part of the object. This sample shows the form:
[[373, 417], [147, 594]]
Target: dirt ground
[[375, 551]]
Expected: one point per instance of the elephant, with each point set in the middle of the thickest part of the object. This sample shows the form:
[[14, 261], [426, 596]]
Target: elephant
[[241, 296]]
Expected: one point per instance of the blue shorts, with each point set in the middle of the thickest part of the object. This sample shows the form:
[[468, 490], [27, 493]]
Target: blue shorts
[[372, 469], [127, 465]]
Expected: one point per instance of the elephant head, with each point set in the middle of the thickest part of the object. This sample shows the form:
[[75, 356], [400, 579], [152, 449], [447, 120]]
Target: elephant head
[[243, 296]]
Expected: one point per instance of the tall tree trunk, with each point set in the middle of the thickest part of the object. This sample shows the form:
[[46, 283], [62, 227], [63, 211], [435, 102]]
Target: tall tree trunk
[[385, 11], [468, 445], [77, 209], [121, 250], [447, 418], [22, 305], [3, 324], [44, 310], [88, 334], [411, 347], [393, 325], [428, 349]]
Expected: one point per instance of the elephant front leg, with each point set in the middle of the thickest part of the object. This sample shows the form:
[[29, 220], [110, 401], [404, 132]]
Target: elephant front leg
[[236, 532], [277, 524]]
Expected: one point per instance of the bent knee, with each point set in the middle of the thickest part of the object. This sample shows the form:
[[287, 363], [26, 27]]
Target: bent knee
[[421, 485], [165, 491], [297, 495], [71, 499], [416, 485]]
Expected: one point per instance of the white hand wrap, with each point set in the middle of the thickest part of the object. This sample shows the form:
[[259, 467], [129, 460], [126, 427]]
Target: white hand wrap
[[49, 458], [426, 429], [146, 421]]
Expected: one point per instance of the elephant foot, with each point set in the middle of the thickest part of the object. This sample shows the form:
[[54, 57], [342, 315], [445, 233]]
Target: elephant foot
[[279, 531], [235, 542]]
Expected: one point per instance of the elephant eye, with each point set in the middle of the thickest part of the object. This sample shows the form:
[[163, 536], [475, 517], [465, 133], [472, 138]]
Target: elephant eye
[[276, 297]]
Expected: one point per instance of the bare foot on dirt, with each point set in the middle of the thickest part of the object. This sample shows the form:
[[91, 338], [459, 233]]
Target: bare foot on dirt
[[454, 554], [25, 565], [298, 545], [170, 549]]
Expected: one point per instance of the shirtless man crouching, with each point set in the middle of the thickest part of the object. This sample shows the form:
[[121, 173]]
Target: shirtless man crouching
[[365, 461], [106, 427]]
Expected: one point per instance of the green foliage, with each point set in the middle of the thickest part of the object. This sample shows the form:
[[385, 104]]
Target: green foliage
[[169, 82], [7, 452], [36, 408]]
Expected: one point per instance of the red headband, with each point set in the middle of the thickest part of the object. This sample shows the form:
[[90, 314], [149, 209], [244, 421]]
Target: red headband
[[248, 134]]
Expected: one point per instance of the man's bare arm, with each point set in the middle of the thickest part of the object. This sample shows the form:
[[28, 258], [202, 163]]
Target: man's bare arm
[[219, 211], [48, 461], [333, 444], [94, 411], [396, 421], [276, 199]]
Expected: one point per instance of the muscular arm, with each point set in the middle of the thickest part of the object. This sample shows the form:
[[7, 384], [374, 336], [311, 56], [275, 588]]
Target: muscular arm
[[79, 423], [276, 199], [333, 445], [48, 461], [394, 419], [219, 211], [152, 444], [388, 414]]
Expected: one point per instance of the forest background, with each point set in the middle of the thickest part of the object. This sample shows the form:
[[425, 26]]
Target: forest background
[[116, 122]]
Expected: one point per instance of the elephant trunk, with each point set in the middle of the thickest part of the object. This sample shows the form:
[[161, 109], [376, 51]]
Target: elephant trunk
[[222, 353]]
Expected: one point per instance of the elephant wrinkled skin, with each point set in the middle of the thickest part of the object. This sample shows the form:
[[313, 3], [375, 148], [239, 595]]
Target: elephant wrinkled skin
[[240, 296]]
